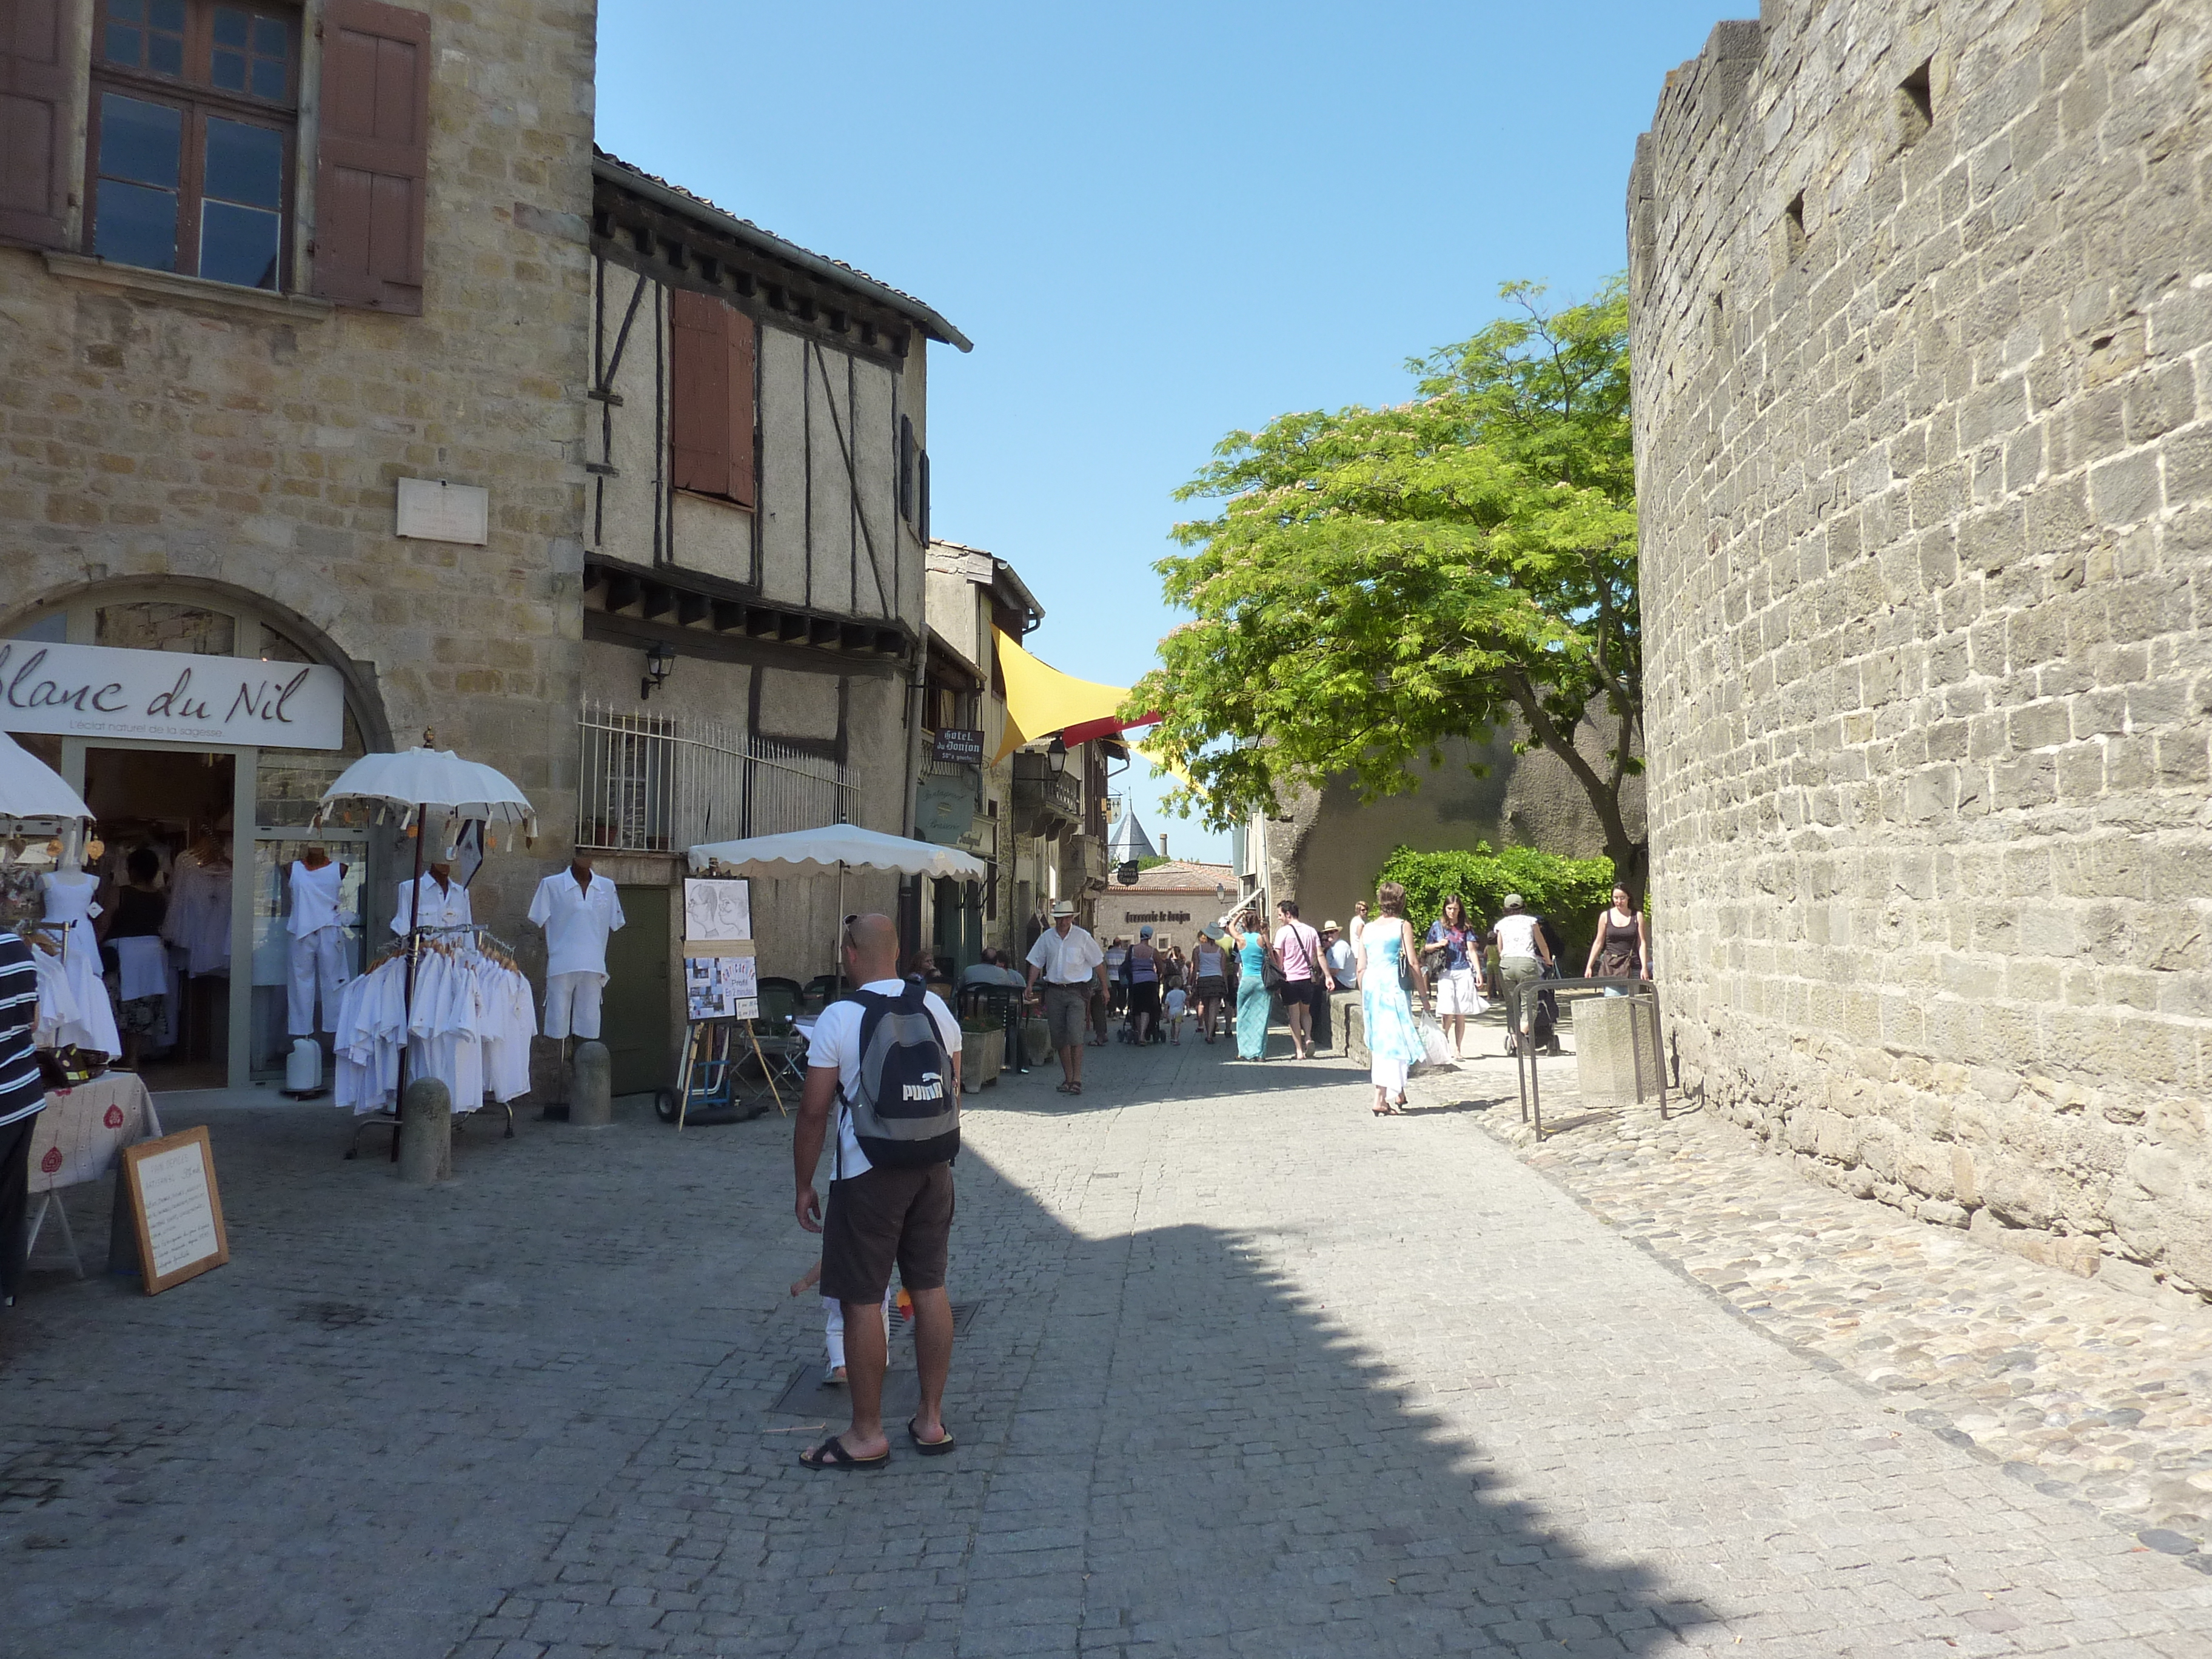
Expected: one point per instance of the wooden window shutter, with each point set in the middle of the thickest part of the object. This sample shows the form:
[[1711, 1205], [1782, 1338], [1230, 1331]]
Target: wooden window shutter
[[906, 468], [373, 165], [698, 392], [710, 396], [35, 100]]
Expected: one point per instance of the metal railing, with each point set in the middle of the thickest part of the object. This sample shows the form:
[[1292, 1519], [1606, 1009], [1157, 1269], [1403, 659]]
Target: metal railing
[[660, 783]]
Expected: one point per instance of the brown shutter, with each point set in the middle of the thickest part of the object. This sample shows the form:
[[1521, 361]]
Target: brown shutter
[[699, 398], [742, 347], [35, 95], [373, 165]]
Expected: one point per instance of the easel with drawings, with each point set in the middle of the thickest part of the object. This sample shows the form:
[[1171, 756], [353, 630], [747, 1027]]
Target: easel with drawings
[[721, 988]]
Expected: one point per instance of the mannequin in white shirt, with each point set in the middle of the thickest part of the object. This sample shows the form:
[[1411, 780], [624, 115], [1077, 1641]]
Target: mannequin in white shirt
[[440, 900], [578, 910]]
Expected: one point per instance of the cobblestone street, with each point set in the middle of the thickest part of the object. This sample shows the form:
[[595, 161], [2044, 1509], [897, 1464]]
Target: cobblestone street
[[1249, 1372]]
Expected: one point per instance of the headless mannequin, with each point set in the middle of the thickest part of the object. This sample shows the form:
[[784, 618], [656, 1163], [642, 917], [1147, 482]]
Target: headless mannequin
[[580, 867], [317, 961]]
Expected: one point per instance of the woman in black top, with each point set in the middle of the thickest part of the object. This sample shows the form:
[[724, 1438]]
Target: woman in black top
[[139, 911]]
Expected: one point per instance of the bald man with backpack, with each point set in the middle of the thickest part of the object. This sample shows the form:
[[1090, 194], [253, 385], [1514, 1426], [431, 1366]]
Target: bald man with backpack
[[887, 1058]]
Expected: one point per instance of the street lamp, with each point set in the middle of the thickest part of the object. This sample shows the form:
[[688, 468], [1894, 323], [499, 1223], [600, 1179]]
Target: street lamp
[[658, 660], [1056, 756]]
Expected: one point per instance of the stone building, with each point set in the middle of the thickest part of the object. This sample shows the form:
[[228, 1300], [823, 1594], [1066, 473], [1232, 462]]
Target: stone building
[[969, 803], [1922, 336], [333, 350], [1174, 899]]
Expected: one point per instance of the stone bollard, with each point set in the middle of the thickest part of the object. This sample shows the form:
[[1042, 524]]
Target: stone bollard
[[591, 1086], [1617, 1055], [425, 1133]]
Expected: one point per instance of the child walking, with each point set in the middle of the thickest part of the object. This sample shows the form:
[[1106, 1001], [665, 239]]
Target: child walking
[[833, 1324], [1178, 999]]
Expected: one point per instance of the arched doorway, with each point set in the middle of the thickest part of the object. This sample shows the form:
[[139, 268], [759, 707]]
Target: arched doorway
[[224, 816]]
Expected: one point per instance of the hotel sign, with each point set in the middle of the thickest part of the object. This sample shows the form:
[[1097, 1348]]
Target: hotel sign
[[98, 691]]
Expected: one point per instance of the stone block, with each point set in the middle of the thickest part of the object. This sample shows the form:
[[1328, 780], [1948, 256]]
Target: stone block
[[591, 1097], [425, 1133], [1617, 1052]]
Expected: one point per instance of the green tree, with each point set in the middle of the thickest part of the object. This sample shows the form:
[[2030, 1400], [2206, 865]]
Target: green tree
[[1377, 581]]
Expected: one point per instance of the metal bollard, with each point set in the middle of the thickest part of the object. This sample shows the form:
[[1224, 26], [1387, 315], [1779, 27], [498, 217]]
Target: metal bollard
[[591, 1096], [425, 1133]]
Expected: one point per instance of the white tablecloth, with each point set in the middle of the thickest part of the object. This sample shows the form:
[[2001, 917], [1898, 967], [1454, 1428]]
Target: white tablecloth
[[82, 1131]]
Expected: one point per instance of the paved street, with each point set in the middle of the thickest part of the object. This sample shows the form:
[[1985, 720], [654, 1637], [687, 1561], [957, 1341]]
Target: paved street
[[1251, 1372]]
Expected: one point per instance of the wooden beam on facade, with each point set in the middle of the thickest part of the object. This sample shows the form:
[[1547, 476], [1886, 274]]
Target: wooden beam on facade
[[691, 607], [656, 600]]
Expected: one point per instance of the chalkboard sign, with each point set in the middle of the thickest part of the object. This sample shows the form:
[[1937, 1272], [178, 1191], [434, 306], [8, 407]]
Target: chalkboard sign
[[169, 1184]]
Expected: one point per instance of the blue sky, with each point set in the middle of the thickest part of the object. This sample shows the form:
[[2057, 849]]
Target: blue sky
[[1156, 223]]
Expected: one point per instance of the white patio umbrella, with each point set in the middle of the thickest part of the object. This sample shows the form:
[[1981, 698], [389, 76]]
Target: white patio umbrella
[[838, 847], [33, 797], [419, 781]]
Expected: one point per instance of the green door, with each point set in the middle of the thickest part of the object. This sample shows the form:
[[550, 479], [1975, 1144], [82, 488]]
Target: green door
[[636, 1024]]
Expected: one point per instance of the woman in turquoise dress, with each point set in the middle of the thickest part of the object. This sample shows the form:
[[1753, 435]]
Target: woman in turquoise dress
[[1254, 1001], [1394, 1044]]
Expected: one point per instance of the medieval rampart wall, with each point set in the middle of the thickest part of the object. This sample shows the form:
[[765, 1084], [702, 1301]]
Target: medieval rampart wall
[[1923, 328]]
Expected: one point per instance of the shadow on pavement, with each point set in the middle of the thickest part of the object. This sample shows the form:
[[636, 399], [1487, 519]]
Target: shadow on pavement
[[533, 1407]]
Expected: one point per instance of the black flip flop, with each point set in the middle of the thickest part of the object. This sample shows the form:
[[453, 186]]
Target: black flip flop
[[831, 1454], [930, 1448]]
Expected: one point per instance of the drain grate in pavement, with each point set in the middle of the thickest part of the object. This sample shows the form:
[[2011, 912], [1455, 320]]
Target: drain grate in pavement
[[805, 1395]]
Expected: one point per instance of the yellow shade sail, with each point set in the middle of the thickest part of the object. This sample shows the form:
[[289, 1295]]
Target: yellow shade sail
[[1041, 700]]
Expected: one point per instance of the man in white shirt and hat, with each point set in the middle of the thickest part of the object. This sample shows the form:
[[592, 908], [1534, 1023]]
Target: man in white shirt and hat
[[1072, 967], [577, 909], [436, 897]]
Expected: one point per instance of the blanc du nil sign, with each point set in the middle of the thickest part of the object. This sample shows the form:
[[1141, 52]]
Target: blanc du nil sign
[[97, 691]]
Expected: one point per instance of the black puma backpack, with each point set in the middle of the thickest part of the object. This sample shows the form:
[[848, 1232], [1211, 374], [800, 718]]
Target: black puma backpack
[[906, 1113]]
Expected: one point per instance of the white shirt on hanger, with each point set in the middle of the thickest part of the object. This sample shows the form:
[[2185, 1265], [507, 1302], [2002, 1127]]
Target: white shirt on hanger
[[576, 920], [442, 907]]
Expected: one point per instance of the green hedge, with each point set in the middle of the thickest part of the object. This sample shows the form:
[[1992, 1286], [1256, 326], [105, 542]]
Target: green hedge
[[1570, 892]]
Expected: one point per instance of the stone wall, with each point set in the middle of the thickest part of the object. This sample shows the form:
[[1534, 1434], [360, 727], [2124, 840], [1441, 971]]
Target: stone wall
[[1922, 300], [165, 436]]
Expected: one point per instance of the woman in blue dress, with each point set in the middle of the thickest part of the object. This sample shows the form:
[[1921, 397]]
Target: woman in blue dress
[[1254, 1001], [1394, 1044]]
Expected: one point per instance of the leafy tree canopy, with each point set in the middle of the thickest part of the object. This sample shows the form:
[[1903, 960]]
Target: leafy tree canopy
[[1570, 892], [1378, 579]]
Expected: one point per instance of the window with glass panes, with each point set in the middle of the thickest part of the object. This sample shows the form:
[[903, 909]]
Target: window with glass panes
[[194, 109]]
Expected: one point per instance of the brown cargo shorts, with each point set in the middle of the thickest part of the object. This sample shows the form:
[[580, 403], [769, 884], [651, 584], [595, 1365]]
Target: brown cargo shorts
[[883, 1217]]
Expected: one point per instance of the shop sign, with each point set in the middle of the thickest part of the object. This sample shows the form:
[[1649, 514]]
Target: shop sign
[[944, 807], [100, 691], [958, 746]]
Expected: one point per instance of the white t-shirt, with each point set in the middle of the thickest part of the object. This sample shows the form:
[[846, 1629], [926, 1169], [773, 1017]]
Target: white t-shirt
[[576, 920], [1516, 934], [1178, 1001], [836, 1040], [1072, 960], [1340, 964]]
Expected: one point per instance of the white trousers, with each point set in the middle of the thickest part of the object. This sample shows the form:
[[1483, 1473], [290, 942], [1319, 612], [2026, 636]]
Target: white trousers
[[317, 961], [572, 1004]]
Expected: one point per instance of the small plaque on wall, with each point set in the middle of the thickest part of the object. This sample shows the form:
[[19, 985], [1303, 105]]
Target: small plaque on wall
[[170, 1186], [432, 510]]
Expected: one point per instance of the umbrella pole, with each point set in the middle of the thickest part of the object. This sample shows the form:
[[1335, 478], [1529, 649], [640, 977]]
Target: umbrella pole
[[837, 939], [414, 940]]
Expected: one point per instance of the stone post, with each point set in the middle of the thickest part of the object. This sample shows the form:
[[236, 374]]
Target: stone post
[[1617, 1055], [426, 1133], [591, 1086]]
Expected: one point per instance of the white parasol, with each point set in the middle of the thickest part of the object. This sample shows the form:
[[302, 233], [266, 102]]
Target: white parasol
[[32, 796], [414, 779], [838, 847]]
